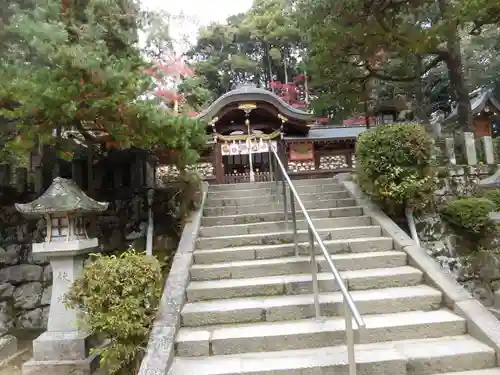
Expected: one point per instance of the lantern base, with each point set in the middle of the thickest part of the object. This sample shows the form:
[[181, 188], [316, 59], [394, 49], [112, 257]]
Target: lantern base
[[87, 366], [66, 248], [62, 353], [52, 346]]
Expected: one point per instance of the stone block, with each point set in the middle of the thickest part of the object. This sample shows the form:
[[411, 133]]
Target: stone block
[[61, 346], [8, 346], [470, 148], [21, 273], [31, 319], [434, 275], [63, 367], [481, 323], [28, 296], [487, 144]]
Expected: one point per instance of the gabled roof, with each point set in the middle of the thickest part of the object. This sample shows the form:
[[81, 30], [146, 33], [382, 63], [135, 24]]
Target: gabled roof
[[253, 94], [325, 133], [479, 100]]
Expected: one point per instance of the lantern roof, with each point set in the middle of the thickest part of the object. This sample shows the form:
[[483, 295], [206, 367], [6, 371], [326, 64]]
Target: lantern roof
[[63, 196]]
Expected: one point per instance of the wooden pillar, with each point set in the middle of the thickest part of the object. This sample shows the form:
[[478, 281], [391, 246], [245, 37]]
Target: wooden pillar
[[317, 159], [218, 163], [136, 172], [118, 177], [21, 179], [283, 153], [39, 188], [77, 172], [98, 177], [150, 174], [348, 158], [5, 175]]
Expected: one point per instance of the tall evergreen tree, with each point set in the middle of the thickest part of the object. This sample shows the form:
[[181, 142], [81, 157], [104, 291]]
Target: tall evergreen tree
[[76, 64]]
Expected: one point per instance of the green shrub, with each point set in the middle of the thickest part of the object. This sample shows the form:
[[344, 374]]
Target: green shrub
[[469, 219], [394, 166], [494, 196], [118, 297]]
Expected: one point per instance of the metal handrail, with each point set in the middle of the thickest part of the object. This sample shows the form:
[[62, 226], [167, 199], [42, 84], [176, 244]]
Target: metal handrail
[[350, 309]]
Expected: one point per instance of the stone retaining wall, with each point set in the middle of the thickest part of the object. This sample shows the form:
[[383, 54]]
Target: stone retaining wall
[[26, 279], [454, 181]]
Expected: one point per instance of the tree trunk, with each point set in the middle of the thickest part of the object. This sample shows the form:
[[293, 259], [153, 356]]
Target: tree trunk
[[457, 82], [420, 112], [269, 67], [453, 60]]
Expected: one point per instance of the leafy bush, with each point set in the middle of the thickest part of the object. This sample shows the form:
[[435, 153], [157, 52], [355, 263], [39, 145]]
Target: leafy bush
[[469, 219], [494, 196], [118, 297], [394, 166]]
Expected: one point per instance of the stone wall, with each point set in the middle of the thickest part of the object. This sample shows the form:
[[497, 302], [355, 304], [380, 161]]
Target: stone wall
[[456, 181], [26, 279]]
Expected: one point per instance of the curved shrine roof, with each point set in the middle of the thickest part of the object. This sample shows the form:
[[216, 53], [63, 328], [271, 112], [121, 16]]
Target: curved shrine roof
[[254, 94]]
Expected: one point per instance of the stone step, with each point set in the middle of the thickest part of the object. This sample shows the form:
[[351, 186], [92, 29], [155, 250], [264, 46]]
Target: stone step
[[248, 201], [315, 333], [239, 192], [297, 307], [491, 371], [296, 265], [231, 254], [287, 237], [302, 283], [321, 213], [261, 185], [258, 207], [406, 357], [277, 226]]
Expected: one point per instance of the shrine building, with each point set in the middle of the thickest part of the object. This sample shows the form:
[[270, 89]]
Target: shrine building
[[242, 124]]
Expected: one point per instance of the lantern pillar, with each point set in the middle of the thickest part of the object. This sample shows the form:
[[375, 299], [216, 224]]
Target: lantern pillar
[[64, 348]]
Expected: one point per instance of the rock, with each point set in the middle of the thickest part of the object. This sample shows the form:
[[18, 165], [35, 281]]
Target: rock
[[28, 296], [45, 316], [22, 232], [47, 274], [10, 256], [37, 259], [21, 273], [6, 291], [31, 319], [6, 321], [47, 293]]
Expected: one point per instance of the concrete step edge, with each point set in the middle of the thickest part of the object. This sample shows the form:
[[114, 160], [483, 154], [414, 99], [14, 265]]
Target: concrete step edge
[[302, 243], [346, 276], [207, 334], [300, 258], [450, 351], [281, 233], [265, 302], [290, 223]]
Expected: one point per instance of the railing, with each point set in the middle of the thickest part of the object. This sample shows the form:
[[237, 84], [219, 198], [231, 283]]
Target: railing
[[279, 173], [233, 178]]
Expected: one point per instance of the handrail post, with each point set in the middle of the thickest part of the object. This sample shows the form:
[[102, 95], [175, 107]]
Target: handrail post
[[271, 172], [294, 223], [351, 357], [350, 310], [314, 269], [285, 203]]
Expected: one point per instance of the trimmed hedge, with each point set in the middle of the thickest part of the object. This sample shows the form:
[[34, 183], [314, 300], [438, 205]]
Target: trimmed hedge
[[394, 166]]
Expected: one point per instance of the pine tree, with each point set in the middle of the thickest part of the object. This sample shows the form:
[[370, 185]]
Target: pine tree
[[76, 64]]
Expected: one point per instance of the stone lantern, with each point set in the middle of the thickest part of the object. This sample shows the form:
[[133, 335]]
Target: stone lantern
[[63, 348]]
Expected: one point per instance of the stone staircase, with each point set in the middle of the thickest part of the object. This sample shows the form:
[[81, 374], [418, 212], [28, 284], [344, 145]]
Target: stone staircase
[[250, 309]]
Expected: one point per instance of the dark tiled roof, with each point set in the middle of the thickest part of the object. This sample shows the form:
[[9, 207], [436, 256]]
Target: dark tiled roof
[[251, 93], [325, 133], [477, 103]]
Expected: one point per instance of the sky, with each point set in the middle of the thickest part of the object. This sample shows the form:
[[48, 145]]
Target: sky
[[202, 12]]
